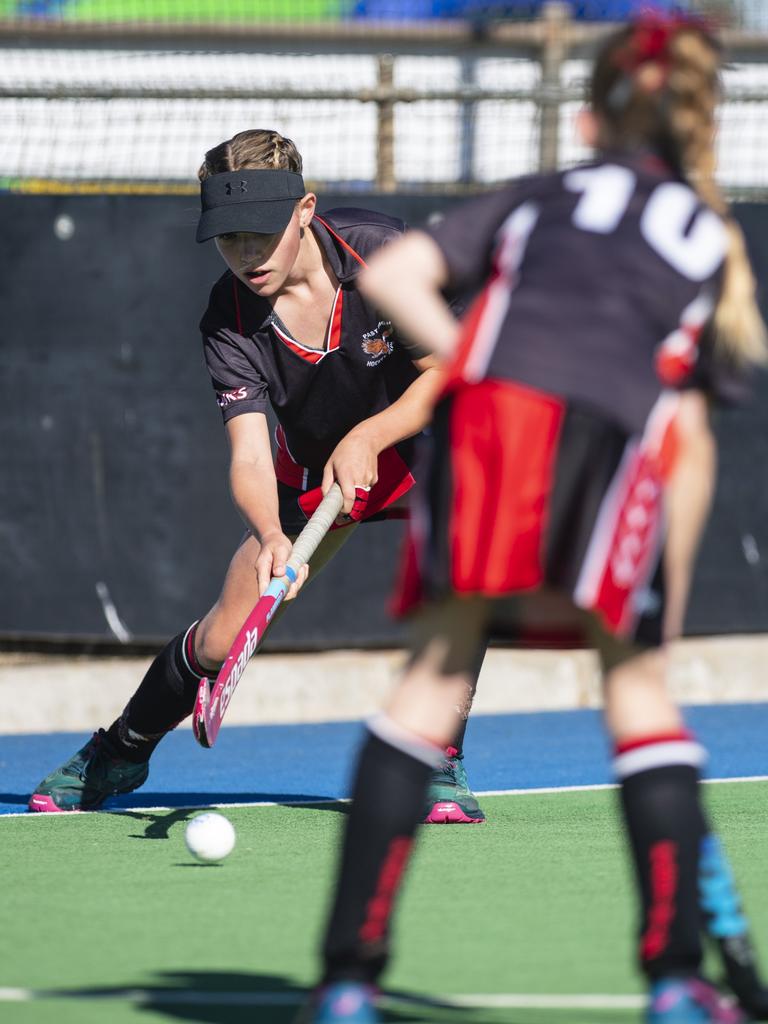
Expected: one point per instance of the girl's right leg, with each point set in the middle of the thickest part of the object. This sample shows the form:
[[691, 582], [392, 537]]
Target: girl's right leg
[[682, 875], [116, 760], [166, 695]]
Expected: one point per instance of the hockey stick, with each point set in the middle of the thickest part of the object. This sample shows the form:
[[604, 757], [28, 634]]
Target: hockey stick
[[212, 700]]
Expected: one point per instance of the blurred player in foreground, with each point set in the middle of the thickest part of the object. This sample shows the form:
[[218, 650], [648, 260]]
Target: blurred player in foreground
[[285, 325], [613, 297]]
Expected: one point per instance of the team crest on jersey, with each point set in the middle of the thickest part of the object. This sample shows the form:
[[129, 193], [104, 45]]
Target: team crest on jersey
[[378, 343]]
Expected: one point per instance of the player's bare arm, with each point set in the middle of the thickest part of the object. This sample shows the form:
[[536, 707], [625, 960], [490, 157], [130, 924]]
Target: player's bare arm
[[254, 491], [405, 280], [353, 463]]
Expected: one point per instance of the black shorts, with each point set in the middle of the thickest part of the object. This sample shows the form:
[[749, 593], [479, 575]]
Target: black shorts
[[524, 492]]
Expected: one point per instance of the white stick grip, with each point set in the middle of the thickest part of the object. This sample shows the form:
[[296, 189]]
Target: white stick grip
[[319, 524]]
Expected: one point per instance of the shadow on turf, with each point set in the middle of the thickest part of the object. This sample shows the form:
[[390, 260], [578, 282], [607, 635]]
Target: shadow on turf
[[15, 798], [198, 800], [161, 822], [196, 992]]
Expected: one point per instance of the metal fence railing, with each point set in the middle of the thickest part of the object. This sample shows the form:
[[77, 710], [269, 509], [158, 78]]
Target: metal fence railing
[[92, 103]]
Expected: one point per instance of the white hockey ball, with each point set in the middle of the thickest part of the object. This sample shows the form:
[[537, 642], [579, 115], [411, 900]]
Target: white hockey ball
[[210, 837]]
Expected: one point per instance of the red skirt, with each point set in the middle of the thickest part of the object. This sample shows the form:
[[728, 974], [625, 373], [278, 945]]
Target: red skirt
[[520, 490]]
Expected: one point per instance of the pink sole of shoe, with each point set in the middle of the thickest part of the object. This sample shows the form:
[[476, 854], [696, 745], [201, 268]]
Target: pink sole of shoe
[[450, 813], [45, 805]]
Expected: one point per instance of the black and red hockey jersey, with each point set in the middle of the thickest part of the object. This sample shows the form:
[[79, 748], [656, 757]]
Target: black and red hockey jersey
[[595, 284], [318, 396]]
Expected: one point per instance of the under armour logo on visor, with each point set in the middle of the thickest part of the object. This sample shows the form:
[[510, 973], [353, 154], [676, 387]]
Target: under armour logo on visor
[[229, 186]]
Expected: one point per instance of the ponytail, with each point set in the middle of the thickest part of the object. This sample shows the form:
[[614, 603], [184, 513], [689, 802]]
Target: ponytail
[[656, 83]]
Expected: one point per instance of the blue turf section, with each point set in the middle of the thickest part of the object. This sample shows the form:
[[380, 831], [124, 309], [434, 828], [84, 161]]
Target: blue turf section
[[305, 762]]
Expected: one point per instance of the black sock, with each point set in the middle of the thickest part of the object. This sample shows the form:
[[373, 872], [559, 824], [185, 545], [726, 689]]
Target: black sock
[[166, 695], [387, 804], [666, 825]]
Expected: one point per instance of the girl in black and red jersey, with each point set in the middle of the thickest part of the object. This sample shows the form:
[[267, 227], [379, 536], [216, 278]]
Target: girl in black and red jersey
[[610, 295], [285, 325]]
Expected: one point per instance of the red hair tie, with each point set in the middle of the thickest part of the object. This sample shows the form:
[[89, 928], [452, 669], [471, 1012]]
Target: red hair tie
[[651, 38]]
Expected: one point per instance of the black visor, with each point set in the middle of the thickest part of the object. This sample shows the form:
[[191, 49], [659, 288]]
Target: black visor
[[258, 201]]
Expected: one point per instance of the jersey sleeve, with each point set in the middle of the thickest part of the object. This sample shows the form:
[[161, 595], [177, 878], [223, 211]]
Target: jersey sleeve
[[466, 237], [364, 230], [236, 379]]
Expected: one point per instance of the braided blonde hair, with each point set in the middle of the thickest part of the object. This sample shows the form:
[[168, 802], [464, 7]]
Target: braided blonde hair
[[656, 84], [253, 150]]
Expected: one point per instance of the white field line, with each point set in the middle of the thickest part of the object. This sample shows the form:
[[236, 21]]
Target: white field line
[[178, 997], [542, 790]]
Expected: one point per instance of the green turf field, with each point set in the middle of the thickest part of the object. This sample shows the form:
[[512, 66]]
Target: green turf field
[[536, 902]]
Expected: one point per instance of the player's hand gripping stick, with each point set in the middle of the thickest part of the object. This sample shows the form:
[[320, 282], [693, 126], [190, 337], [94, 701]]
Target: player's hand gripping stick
[[212, 700]]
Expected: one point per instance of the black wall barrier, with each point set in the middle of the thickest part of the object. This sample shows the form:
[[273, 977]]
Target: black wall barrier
[[115, 518]]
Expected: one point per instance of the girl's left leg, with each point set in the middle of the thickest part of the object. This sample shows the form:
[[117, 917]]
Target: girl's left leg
[[402, 747], [450, 801]]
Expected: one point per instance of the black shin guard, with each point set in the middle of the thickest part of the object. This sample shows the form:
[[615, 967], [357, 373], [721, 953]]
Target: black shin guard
[[166, 695], [387, 805], [666, 826]]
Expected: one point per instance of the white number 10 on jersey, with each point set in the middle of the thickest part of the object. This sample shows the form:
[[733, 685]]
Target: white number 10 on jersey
[[688, 235]]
